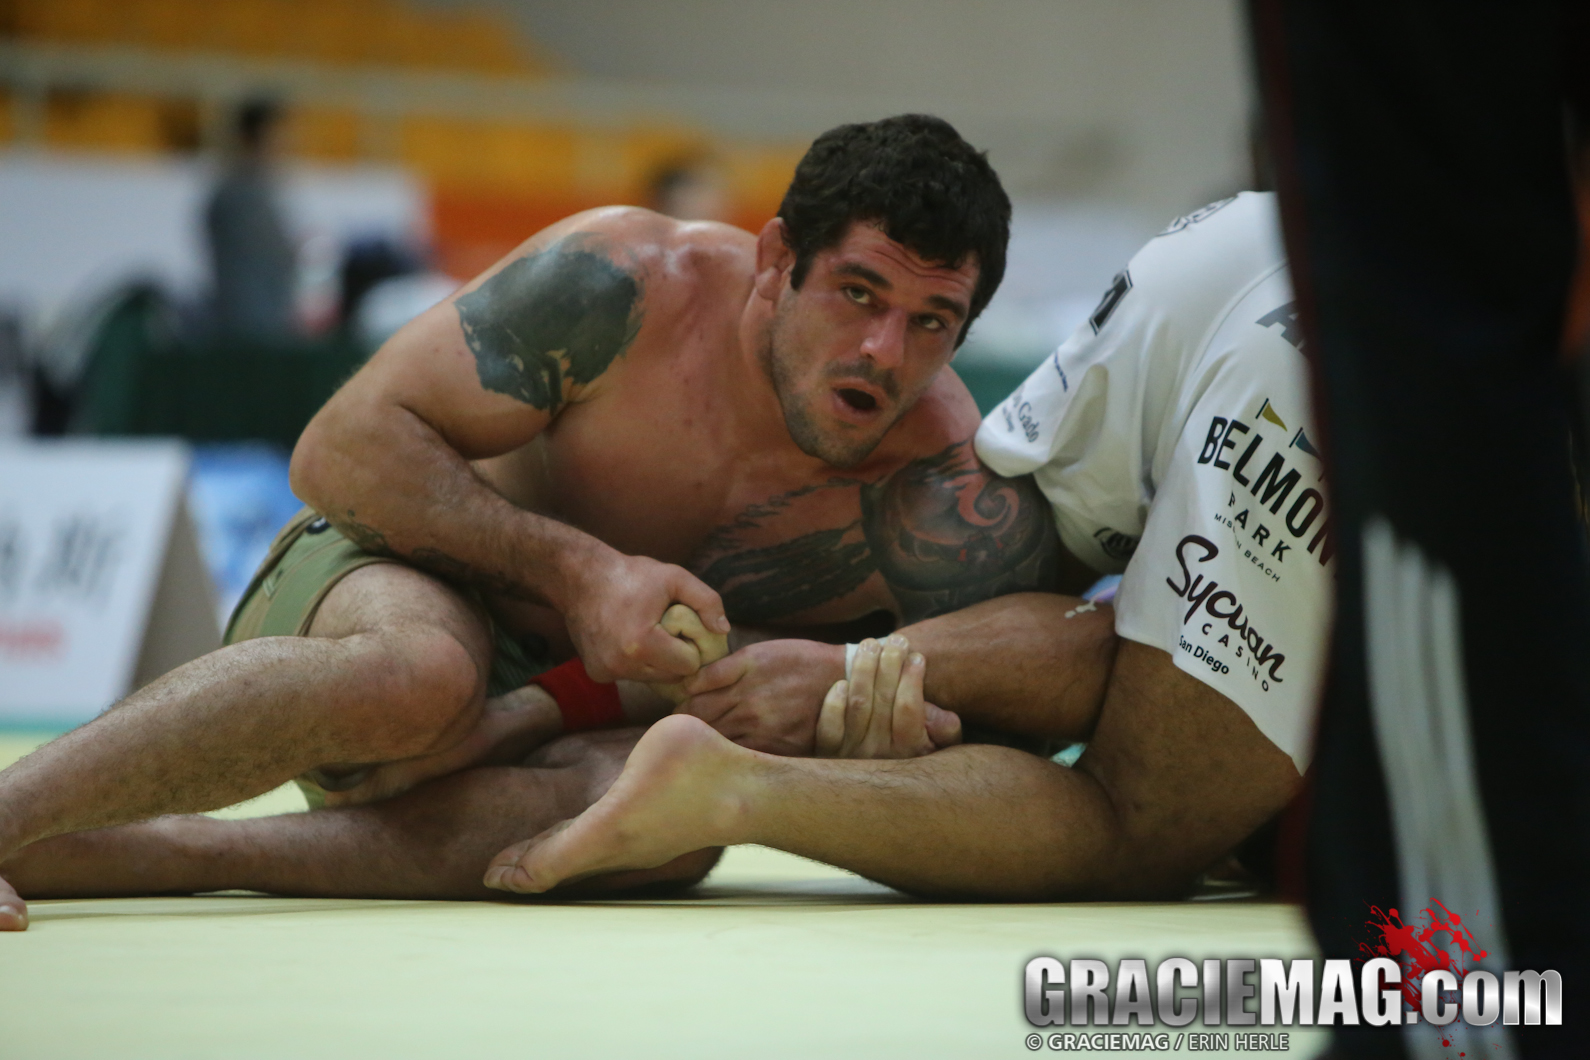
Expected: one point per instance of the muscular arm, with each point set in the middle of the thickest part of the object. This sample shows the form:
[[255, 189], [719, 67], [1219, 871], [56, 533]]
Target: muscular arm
[[1028, 664], [387, 459], [1177, 775], [946, 532], [975, 566]]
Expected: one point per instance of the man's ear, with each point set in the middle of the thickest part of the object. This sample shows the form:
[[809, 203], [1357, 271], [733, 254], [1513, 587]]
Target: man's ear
[[774, 259]]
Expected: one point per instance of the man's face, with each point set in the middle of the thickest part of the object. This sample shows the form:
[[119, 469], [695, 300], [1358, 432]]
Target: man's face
[[850, 352]]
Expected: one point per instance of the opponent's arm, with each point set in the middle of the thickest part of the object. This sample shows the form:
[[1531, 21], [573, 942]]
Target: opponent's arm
[[975, 565], [387, 459], [1175, 776]]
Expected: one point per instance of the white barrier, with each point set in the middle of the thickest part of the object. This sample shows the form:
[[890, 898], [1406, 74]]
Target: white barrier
[[102, 588]]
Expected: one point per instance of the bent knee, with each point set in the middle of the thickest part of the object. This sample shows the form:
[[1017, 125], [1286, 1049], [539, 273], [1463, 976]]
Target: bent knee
[[426, 685]]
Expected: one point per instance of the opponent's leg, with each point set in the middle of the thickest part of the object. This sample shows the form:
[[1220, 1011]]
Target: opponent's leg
[[395, 666], [686, 785], [1176, 775], [430, 842]]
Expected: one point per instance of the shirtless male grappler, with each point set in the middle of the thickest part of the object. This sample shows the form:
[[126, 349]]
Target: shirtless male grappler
[[624, 414]]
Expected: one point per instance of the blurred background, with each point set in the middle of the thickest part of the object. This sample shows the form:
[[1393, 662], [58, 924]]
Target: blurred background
[[211, 211]]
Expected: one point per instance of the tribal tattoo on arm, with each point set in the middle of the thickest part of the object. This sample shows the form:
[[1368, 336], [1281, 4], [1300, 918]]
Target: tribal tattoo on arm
[[946, 532], [553, 318]]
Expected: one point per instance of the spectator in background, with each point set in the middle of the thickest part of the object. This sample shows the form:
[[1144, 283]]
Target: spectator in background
[[385, 286], [689, 189], [250, 250], [366, 264]]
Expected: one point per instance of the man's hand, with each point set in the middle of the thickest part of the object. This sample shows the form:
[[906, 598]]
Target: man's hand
[[766, 695], [614, 611], [879, 712], [681, 622]]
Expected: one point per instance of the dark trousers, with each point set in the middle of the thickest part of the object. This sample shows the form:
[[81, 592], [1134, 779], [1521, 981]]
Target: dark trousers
[[1420, 156]]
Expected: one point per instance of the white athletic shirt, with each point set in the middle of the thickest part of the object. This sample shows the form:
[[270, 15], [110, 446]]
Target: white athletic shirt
[[1172, 434]]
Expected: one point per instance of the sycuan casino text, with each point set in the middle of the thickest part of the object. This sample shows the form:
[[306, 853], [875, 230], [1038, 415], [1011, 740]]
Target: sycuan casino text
[[1084, 992]]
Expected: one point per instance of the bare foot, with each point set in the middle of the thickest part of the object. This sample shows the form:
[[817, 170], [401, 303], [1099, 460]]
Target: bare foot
[[13, 910], [682, 789]]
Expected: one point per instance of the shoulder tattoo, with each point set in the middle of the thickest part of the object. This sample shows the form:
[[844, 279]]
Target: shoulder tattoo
[[946, 532], [564, 313]]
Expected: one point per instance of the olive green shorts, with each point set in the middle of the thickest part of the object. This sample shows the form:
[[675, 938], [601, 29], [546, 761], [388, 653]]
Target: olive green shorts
[[306, 561]]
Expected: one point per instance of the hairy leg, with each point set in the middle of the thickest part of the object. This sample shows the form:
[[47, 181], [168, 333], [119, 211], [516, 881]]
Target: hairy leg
[[431, 842], [1176, 775], [936, 825], [395, 666]]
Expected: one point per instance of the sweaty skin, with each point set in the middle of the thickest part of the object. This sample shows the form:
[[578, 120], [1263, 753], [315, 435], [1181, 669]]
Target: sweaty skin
[[625, 414], [1175, 775], [603, 352]]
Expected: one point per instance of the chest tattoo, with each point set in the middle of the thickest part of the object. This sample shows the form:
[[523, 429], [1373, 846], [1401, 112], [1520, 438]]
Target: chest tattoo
[[944, 531], [764, 576]]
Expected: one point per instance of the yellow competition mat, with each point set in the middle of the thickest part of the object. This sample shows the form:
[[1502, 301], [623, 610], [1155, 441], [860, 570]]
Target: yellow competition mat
[[774, 956]]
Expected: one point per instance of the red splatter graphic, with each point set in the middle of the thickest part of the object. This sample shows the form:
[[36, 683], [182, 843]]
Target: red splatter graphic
[[1415, 944]]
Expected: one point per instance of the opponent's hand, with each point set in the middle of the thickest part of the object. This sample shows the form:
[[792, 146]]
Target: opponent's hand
[[511, 726], [766, 695], [879, 712], [614, 614]]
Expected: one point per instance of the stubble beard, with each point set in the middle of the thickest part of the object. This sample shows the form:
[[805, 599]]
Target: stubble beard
[[799, 419]]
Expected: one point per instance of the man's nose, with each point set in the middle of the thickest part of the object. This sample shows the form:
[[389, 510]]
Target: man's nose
[[885, 341]]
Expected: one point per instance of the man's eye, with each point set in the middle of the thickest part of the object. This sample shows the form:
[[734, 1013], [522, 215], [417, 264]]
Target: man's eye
[[858, 295], [930, 323]]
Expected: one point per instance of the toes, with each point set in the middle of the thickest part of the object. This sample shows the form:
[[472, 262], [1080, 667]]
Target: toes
[[505, 873], [13, 914], [510, 870], [513, 879]]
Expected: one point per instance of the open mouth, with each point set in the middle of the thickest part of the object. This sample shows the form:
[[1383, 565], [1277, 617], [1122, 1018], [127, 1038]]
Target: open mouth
[[859, 400]]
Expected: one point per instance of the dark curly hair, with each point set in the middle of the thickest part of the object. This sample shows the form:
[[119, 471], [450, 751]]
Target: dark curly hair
[[929, 190]]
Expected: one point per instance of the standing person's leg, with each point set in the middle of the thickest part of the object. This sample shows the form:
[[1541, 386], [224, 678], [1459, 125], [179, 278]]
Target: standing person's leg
[[395, 666], [431, 842], [1421, 163], [1174, 777]]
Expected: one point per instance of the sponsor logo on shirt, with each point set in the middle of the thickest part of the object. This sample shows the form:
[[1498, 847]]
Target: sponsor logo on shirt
[[1203, 655], [1225, 618], [1188, 220], [1285, 318], [1115, 544], [1112, 298], [1265, 483], [1065, 384], [1015, 410]]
